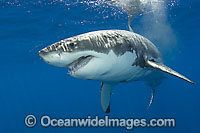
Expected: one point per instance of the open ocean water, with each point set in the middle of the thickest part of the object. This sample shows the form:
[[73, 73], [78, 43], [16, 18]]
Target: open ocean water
[[30, 86]]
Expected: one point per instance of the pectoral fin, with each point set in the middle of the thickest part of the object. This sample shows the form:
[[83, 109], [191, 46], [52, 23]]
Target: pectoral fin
[[166, 69], [106, 92]]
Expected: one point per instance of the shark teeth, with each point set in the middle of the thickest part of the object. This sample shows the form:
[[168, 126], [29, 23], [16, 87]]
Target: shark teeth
[[79, 63]]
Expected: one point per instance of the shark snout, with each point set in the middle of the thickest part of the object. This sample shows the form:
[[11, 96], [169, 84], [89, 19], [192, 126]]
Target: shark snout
[[54, 58], [41, 52]]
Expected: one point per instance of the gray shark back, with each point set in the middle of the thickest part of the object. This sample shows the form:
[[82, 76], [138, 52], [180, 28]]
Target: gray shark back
[[120, 41]]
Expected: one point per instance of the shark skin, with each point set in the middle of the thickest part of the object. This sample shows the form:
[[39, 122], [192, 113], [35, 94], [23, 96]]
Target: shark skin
[[111, 57]]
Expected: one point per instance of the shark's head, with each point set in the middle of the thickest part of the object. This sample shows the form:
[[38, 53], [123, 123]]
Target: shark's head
[[71, 52]]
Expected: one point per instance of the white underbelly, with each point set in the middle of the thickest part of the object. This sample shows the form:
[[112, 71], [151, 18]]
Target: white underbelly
[[111, 68]]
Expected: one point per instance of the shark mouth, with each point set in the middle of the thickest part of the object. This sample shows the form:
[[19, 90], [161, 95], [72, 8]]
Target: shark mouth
[[79, 63]]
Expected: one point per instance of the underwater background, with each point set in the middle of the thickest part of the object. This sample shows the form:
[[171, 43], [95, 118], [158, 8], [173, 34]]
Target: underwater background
[[30, 86]]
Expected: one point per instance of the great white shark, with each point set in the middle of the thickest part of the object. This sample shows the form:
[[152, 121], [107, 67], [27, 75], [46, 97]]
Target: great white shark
[[131, 7], [111, 57]]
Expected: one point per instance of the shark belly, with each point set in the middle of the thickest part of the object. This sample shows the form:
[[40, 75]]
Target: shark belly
[[112, 68]]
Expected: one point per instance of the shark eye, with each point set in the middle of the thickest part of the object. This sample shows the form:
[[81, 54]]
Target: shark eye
[[71, 45]]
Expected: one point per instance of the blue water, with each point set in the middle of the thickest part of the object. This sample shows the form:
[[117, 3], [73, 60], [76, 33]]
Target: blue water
[[30, 86]]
